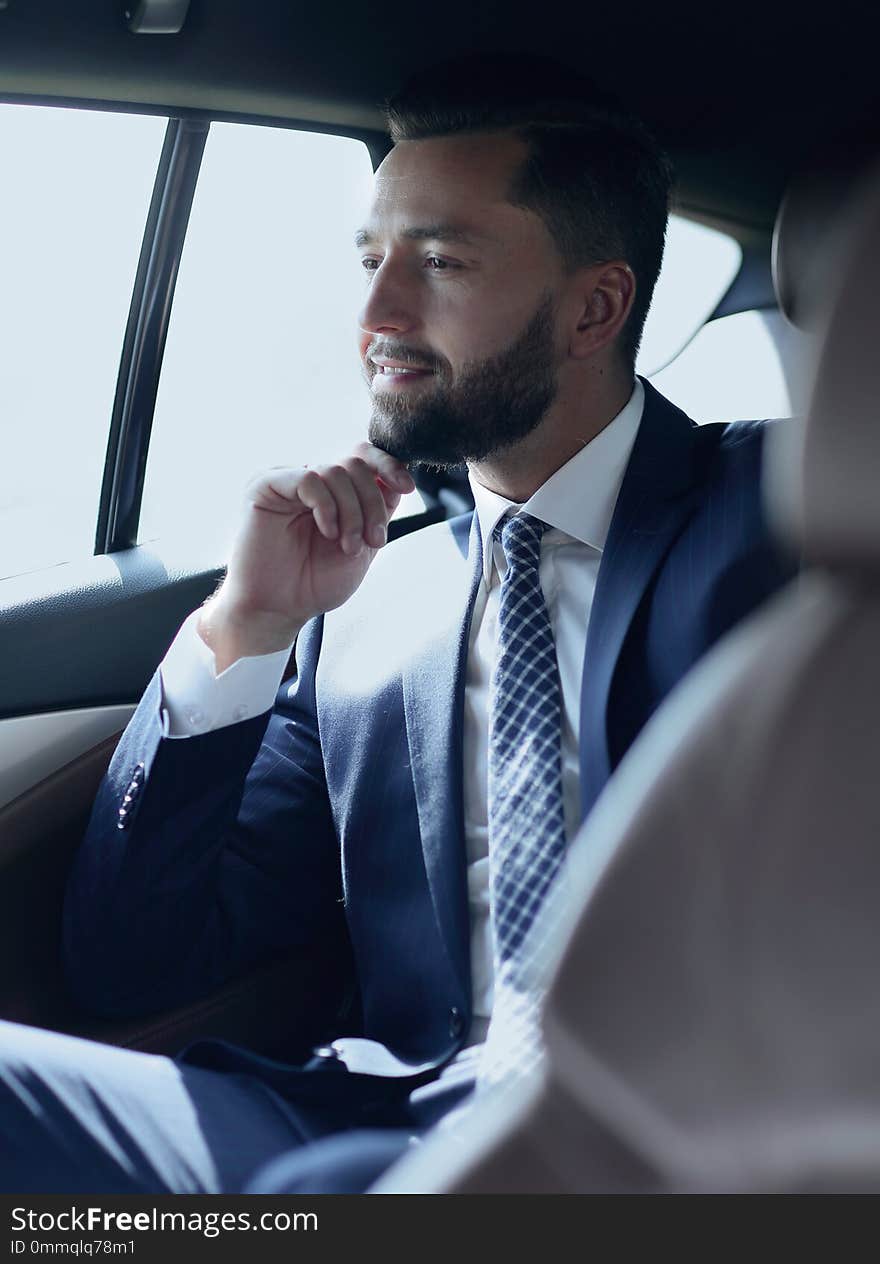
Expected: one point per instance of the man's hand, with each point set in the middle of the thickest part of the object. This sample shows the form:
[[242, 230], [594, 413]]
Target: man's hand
[[305, 544]]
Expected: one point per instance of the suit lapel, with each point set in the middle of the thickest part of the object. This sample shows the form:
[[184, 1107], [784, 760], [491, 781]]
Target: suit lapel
[[656, 498], [433, 698]]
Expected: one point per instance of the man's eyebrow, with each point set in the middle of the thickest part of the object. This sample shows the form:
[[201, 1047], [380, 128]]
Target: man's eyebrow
[[426, 232]]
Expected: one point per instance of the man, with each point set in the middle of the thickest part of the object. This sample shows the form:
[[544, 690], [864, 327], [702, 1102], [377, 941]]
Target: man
[[460, 698]]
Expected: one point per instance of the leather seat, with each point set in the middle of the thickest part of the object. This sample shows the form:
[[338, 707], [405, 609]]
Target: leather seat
[[810, 231], [712, 1019]]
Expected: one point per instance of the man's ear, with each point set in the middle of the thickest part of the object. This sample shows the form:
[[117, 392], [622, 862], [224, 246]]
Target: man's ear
[[603, 299]]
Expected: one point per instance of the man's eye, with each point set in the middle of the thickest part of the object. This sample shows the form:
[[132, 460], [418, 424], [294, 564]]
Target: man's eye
[[437, 265], [369, 265]]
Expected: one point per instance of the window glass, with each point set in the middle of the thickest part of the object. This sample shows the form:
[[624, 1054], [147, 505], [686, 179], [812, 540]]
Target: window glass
[[76, 190], [261, 365], [699, 264], [743, 366]]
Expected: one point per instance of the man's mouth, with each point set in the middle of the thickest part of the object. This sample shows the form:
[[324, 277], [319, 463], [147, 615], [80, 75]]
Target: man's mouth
[[398, 366], [390, 372]]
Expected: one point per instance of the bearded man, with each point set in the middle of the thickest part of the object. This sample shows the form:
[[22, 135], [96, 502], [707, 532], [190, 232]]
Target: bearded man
[[403, 801]]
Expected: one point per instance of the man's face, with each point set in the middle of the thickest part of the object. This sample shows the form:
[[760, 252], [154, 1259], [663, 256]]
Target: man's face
[[457, 333]]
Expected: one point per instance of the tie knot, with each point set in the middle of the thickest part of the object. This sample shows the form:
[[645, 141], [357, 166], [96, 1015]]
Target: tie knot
[[520, 538]]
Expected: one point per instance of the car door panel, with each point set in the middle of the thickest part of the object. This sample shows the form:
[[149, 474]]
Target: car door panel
[[279, 1008], [32, 747], [78, 644], [91, 633]]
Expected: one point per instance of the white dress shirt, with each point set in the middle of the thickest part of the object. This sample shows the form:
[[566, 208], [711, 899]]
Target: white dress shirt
[[577, 503]]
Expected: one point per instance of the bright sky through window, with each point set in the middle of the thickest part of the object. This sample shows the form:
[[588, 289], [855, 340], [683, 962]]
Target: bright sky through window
[[76, 189]]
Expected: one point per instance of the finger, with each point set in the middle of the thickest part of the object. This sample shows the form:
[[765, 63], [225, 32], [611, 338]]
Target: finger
[[389, 469], [348, 507], [317, 497], [373, 504], [390, 496], [394, 479], [276, 489]]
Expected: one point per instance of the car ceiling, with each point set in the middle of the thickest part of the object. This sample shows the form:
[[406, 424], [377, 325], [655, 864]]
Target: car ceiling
[[739, 94]]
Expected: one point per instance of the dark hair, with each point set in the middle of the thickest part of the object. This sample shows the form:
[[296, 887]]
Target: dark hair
[[594, 174]]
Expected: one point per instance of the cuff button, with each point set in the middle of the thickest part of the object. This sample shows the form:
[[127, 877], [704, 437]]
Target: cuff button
[[456, 1022]]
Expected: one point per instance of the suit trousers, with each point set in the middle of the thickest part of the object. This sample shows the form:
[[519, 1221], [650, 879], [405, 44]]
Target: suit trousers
[[77, 1117]]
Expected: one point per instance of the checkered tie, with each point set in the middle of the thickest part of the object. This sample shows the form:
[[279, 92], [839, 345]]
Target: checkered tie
[[526, 824]]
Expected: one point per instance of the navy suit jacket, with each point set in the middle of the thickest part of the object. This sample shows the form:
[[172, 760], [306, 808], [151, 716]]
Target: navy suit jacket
[[338, 816]]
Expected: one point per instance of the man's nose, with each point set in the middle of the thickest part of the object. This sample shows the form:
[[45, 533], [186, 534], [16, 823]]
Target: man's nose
[[390, 304]]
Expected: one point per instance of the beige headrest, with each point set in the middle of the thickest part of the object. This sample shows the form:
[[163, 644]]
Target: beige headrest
[[822, 480], [808, 232]]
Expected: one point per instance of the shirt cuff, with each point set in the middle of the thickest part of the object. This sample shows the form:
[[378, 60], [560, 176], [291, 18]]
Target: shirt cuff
[[195, 700]]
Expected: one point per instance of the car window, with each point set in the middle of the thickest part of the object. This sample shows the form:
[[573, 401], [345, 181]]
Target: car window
[[699, 264], [261, 364], [76, 190], [749, 365]]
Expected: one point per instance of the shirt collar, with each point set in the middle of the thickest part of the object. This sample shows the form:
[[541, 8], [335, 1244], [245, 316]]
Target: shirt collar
[[579, 497]]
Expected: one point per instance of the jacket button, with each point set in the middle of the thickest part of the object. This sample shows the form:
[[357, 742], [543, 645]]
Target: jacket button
[[456, 1022]]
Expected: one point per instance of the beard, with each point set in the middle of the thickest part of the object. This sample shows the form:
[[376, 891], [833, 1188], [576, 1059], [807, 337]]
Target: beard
[[494, 404]]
